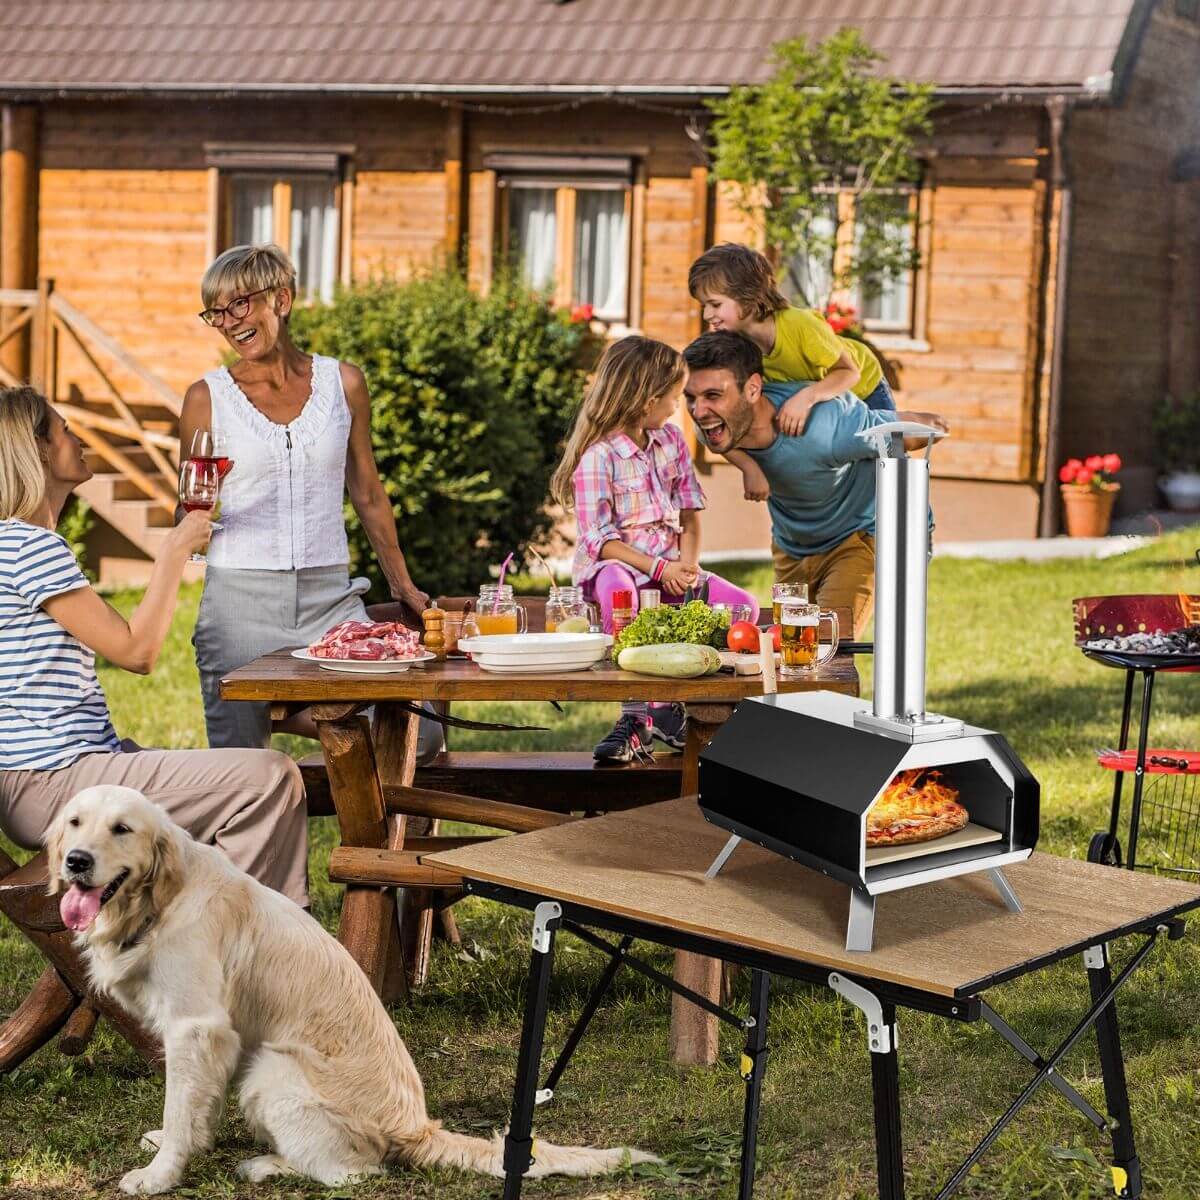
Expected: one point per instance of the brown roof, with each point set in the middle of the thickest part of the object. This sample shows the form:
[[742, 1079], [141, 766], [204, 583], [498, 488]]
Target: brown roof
[[664, 46]]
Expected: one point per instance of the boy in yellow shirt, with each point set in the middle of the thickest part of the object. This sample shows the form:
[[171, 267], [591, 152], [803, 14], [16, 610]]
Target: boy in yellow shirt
[[736, 288]]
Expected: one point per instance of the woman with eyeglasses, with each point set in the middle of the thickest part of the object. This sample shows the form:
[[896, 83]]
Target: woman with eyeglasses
[[298, 429]]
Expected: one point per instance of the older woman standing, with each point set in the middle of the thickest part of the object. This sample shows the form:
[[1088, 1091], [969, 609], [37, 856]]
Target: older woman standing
[[298, 428], [56, 735]]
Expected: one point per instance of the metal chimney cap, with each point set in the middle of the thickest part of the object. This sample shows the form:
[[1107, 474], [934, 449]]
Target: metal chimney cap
[[881, 436]]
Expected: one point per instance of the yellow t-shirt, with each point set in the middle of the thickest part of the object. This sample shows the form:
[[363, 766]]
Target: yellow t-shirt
[[806, 347]]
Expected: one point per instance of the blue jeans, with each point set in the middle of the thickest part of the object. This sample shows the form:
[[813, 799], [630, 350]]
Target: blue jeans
[[881, 398]]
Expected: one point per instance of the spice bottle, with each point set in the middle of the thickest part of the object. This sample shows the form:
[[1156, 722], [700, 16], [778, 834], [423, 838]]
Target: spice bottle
[[622, 610]]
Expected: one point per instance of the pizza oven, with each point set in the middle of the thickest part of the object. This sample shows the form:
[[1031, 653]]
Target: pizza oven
[[794, 773], [800, 773]]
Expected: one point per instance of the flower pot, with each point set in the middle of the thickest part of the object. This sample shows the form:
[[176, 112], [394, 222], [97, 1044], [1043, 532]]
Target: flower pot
[[1182, 490], [1088, 511]]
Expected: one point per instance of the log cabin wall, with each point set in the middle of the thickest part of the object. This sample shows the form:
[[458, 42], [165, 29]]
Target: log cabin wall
[[128, 219], [1133, 315]]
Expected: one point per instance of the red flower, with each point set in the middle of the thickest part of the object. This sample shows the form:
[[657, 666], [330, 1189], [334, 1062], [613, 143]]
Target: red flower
[[1112, 464], [1094, 462], [1083, 476], [1069, 469], [581, 313]]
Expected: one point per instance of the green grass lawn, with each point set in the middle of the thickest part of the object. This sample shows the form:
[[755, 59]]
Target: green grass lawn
[[1000, 656]]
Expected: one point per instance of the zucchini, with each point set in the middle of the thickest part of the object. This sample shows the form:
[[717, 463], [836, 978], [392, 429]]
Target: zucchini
[[672, 660]]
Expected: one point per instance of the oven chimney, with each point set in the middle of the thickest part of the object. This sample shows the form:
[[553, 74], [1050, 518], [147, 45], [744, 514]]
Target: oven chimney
[[901, 575]]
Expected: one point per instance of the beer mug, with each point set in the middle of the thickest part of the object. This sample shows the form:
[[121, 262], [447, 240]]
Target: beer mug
[[800, 637], [786, 591]]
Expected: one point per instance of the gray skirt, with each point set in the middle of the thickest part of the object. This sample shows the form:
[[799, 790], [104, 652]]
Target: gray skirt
[[245, 614]]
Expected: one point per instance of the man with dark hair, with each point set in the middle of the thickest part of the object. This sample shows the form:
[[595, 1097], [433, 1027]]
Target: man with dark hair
[[822, 500]]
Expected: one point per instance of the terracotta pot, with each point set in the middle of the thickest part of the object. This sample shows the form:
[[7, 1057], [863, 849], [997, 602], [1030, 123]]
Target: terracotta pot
[[1088, 512]]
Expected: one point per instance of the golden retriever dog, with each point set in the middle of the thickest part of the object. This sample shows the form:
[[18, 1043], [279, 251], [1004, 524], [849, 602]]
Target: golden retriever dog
[[242, 985]]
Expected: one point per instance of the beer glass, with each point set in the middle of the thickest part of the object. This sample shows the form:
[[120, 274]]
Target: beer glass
[[786, 591], [800, 637]]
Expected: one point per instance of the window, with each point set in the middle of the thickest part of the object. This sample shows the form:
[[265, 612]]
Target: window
[[886, 308], [565, 225], [300, 213], [291, 195]]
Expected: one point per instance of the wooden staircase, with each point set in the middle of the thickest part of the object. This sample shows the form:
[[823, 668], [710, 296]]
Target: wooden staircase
[[127, 417]]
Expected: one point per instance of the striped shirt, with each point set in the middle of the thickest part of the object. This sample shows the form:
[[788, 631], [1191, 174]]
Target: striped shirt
[[52, 708]]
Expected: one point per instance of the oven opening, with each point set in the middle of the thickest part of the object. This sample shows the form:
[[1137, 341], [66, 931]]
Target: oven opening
[[927, 799]]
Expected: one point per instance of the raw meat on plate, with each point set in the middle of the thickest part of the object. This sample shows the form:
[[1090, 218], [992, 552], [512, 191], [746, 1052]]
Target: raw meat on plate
[[368, 641]]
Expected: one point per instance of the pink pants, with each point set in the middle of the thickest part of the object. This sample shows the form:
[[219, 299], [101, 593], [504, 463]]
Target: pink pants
[[614, 576]]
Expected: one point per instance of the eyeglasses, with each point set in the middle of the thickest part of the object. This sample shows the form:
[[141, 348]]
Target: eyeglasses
[[237, 308]]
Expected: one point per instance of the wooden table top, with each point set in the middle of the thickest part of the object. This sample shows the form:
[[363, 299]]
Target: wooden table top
[[950, 938], [280, 677]]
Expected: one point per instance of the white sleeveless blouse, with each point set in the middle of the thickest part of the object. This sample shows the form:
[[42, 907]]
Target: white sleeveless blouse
[[281, 505]]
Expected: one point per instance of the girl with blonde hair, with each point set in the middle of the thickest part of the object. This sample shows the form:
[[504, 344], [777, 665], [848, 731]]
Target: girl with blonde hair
[[298, 428], [56, 734], [628, 474]]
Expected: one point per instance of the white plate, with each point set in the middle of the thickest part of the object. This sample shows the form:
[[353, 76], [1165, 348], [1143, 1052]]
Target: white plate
[[354, 666], [532, 651], [555, 668]]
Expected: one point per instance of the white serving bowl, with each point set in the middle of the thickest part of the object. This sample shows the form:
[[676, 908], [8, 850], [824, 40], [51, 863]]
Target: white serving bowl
[[531, 653]]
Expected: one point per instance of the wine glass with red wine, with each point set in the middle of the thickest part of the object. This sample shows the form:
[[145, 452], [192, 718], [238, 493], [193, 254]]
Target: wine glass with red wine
[[214, 448], [199, 487]]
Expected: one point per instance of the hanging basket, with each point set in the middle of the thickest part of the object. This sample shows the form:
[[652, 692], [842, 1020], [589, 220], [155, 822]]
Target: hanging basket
[[1088, 511]]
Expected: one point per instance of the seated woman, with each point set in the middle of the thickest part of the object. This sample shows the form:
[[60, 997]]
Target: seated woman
[[56, 735], [298, 428]]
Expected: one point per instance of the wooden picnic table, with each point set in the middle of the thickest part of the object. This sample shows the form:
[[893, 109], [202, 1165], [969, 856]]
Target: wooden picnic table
[[371, 770]]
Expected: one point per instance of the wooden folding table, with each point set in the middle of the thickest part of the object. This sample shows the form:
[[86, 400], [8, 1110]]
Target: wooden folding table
[[939, 947], [372, 770]]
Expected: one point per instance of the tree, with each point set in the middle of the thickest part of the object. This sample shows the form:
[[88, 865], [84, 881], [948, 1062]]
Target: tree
[[824, 154]]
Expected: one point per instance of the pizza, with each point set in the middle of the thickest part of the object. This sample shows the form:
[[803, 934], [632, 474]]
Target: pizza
[[916, 807]]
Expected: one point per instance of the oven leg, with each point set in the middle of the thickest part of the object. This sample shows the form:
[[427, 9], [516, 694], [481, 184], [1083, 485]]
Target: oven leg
[[518, 1142], [722, 858], [1011, 901], [754, 1067], [1127, 1170], [860, 928]]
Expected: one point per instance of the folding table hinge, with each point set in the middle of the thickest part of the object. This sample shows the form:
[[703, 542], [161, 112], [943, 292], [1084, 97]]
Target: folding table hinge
[[753, 1061], [543, 1095], [547, 911], [1095, 957], [881, 1038]]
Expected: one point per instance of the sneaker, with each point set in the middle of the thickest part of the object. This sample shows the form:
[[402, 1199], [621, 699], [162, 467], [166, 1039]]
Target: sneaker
[[629, 739], [668, 724]]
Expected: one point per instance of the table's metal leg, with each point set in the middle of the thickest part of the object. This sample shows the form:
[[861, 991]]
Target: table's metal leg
[[1127, 1170], [518, 1143], [1139, 776], [754, 1066], [860, 926], [885, 1085]]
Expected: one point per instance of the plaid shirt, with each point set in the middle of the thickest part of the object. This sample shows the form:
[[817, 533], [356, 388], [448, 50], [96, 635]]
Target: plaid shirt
[[634, 496]]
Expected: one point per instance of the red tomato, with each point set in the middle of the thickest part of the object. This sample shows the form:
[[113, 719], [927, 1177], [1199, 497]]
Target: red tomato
[[776, 632], [743, 636]]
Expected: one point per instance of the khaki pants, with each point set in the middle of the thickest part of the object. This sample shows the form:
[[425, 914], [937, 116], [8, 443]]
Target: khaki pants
[[842, 578], [248, 803]]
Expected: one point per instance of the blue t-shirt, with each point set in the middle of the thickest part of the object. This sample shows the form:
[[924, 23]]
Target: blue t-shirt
[[822, 482], [52, 707]]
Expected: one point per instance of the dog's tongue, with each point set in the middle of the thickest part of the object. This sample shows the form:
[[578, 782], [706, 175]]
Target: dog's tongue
[[79, 907]]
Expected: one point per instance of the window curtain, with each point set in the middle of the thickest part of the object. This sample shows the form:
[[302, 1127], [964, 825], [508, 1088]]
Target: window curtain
[[601, 252], [812, 274], [533, 231], [253, 210], [892, 306], [314, 236]]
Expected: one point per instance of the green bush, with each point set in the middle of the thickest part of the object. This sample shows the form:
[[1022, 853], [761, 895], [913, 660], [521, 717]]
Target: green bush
[[74, 524], [1177, 433], [470, 400]]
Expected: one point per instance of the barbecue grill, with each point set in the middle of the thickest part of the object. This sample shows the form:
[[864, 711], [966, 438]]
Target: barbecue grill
[[799, 773]]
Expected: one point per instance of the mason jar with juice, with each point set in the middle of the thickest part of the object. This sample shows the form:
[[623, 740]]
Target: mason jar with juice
[[568, 612], [497, 612]]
